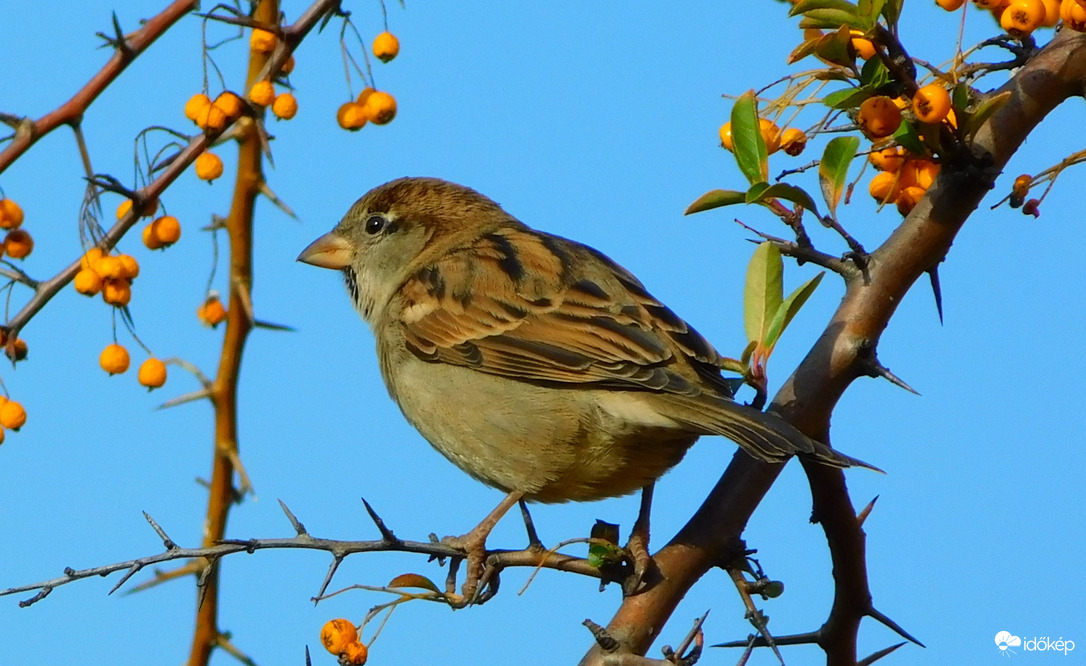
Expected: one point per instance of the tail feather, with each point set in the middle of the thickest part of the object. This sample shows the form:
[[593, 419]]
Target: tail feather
[[763, 435]]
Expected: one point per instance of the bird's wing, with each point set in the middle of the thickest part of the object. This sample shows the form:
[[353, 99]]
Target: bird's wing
[[540, 308]]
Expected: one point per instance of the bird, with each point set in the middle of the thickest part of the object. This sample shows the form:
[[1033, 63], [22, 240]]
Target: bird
[[532, 362]]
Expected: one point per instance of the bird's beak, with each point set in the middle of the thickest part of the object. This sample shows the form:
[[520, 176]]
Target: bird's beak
[[329, 251]]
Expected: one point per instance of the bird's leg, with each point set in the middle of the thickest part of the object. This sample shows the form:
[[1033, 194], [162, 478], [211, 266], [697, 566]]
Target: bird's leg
[[638, 545], [529, 525], [474, 544]]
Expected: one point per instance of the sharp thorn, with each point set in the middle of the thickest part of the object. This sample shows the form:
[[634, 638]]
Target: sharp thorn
[[862, 516], [166, 540], [386, 533], [936, 291], [881, 370], [188, 397], [875, 614], [875, 656], [299, 528], [257, 323]]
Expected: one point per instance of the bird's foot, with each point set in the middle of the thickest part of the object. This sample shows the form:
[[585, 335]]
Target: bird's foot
[[473, 545]]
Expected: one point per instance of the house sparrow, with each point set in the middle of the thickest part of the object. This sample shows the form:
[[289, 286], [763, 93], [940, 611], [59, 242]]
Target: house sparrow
[[534, 363]]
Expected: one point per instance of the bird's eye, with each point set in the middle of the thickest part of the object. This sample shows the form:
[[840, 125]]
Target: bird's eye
[[375, 223]]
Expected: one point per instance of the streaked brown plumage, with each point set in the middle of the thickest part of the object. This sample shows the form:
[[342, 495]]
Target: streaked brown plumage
[[534, 363]]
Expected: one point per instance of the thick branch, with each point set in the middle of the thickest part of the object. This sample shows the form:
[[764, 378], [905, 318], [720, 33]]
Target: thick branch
[[837, 358]]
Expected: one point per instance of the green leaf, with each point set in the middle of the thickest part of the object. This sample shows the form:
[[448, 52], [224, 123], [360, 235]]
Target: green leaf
[[984, 111], [847, 98], [754, 194], [796, 195], [788, 309], [747, 142], [715, 199], [763, 291], [834, 47], [892, 12], [959, 96], [804, 6], [802, 51], [833, 19], [833, 169], [874, 74], [907, 137]]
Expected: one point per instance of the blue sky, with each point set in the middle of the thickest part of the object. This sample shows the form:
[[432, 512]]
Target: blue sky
[[595, 121]]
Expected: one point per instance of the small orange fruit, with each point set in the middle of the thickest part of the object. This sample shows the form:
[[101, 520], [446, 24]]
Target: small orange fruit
[[1052, 13], [726, 136], [197, 106], [925, 172], [12, 415], [771, 134], [288, 65], [878, 117], [87, 282], [793, 141], [1022, 17], [337, 634], [950, 5], [126, 205], [211, 119], [165, 231], [285, 106], [212, 311], [20, 349], [18, 244], [108, 267], [11, 214], [91, 257], [351, 116], [130, 268], [117, 293], [990, 4], [908, 198], [229, 104], [208, 166], [932, 103], [365, 95], [114, 359], [884, 187], [152, 373], [1073, 15], [380, 107], [356, 653], [386, 46], [149, 240], [862, 46], [262, 41], [888, 159], [262, 93]]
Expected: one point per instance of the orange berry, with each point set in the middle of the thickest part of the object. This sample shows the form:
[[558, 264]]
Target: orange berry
[[386, 46], [793, 141], [950, 5], [130, 268], [288, 65], [123, 209], [726, 136], [262, 93], [908, 198], [149, 239], [108, 267], [1022, 185], [20, 349], [152, 373], [337, 634], [229, 104], [166, 231], [990, 4], [114, 359], [12, 415], [262, 41], [356, 653], [1, 435], [208, 166], [11, 214], [771, 134], [1073, 15], [380, 107], [365, 95], [196, 106], [211, 312], [861, 46], [1052, 13], [888, 159], [285, 106], [87, 282], [211, 119], [1022, 17], [117, 293], [932, 103], [351, 116], [878, 117], [91, 257], [18, 244], [925, 172], [884, 187]]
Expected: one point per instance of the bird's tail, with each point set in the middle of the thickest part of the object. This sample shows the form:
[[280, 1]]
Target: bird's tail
[[763, 435]]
